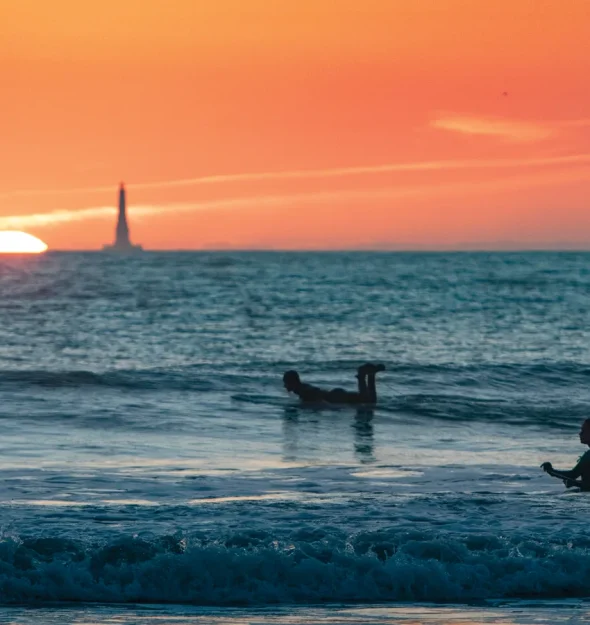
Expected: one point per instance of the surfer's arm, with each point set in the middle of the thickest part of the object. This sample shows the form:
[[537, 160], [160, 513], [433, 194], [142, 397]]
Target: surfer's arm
[[564, 475], [569, 477]]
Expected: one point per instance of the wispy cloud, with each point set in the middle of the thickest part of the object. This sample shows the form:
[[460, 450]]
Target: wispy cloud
[[516, 131], [508, 130], [310, 174], [261, 202]]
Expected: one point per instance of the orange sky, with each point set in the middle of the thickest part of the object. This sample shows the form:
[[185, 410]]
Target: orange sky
[[297, 123]]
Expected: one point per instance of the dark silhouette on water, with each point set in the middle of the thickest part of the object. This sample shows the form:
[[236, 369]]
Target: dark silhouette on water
[[581, 470], [122, 240], [367, 393]]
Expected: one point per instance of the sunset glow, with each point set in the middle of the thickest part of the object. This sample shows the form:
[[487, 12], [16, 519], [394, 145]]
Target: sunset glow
[[382, 123], [14, 242]]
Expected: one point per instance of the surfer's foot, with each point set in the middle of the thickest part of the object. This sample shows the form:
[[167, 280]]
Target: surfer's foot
[[369, 368]]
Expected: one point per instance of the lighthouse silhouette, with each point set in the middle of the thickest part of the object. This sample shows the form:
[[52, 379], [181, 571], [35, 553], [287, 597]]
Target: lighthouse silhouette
[[122, 242]]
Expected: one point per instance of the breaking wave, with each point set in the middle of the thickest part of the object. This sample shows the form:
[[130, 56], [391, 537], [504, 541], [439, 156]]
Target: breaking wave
[[313, 566]]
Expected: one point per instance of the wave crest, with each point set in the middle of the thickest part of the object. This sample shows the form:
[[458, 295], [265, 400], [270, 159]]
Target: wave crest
[[251, 569]]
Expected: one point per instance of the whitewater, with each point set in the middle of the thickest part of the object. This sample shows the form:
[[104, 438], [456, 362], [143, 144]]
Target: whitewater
[[152, 467]]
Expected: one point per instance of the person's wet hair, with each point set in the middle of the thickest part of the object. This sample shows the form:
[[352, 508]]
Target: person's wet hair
[[291, 377]]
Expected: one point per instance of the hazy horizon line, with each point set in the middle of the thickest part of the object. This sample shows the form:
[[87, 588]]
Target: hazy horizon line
[[573, 247]]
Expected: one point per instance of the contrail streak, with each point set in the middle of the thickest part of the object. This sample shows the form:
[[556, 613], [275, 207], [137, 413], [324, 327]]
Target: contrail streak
[[261, 202], [311, 174]]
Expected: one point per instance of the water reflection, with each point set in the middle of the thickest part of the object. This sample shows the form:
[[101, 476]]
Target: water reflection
[[296, 443], [364, 447], [290, 433]]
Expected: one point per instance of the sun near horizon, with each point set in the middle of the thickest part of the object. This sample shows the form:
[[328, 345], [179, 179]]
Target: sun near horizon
[[17, 242]]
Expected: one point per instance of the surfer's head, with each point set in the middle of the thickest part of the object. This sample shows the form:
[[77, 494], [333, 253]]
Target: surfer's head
[[291, 380], [585, 433]]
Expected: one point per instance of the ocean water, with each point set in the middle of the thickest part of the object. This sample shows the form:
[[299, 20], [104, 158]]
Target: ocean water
[[153, 469]]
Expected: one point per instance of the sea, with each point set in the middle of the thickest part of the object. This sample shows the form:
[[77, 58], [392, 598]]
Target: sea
[[153, 469]]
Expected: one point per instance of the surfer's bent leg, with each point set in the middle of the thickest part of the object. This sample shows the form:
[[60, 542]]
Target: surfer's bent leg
[[366, 384], [366, 380], [361, 376], [372, 390]]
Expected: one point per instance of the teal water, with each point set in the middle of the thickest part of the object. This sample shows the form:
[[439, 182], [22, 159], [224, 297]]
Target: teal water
[[151, 457]]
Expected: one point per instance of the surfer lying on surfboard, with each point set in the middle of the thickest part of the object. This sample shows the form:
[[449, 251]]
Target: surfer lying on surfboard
[[366, 394], [581, 470]]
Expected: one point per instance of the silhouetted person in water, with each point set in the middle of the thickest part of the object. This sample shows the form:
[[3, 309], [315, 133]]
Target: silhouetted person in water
[[367, 394], [581, 470]]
